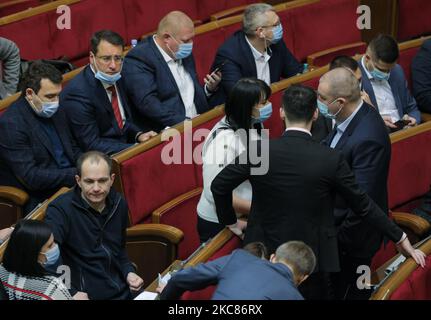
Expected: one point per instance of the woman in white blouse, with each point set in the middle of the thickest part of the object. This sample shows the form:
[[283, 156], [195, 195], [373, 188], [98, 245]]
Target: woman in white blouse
[[246, 108]]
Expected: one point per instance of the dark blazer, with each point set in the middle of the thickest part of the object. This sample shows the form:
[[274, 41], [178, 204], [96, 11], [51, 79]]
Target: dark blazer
[[241, 62], [27, 154], [421, 77], [366, 147], [152, 89], [91, 115], [295, 199], [239, 276], [321, 128], [404, 101]]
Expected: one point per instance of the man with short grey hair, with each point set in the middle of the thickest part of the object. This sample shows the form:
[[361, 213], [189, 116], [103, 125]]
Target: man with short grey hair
[[258, 50], [243, 276]]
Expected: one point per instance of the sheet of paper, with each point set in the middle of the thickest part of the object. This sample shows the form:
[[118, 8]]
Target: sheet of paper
[[146, 295]]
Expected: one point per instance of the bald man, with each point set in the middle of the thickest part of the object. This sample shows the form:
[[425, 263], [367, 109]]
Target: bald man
[[362, 137], [161, 77]]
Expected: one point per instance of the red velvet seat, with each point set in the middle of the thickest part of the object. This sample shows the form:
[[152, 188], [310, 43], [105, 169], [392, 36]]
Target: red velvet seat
[[10, 7], [209, 7], [414, 19], [405, 61]]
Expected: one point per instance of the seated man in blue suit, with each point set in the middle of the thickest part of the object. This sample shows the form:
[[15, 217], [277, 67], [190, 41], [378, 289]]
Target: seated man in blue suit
[[421, 77], [256, 51], [37, 150], [243, 276], [362, 137], [384, 81], [161, 78], [96, 103]]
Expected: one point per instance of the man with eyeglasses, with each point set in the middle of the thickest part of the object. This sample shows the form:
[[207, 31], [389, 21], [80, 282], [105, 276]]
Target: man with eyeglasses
[[384, 81], [96, 102], [258, 50], [160, 75]]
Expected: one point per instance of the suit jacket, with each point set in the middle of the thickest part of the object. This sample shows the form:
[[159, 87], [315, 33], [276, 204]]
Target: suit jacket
[[321, 128], [239, 276], [421, 77], [366, 147], [295, 199], [91, 115], [404, 101], [241, 62], [152, 88], [27, 154]]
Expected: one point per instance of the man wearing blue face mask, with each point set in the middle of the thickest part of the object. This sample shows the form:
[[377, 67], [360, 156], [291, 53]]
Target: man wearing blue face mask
[[161, 78], [384, 81], [96, 102], [258, 50], [37, 150]]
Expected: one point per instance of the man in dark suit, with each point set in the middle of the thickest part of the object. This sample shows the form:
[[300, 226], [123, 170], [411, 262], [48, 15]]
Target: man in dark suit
[[161, 77], [243, 276], [256, 51], [96, 103], [295, 199], [384, 81], [421, 77], [362, 137], [37, 151]]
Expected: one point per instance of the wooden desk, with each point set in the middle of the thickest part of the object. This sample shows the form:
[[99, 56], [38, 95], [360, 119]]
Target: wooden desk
[[174, 266]]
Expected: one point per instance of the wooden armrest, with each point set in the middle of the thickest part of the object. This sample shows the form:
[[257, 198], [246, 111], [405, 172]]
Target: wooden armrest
[[425, 117], [17, 196], [157, 214], [415, 223], [314, 56], [227, 13], [174, 235]]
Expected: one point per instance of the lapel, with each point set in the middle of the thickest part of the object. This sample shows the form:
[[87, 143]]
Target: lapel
[[162, 62], [101, 96], [33, 122], [247, 54], [351, 127], [367, 87], [327, 141]]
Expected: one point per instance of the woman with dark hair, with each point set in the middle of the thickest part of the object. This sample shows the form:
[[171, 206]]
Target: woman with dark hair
[[246, 108], [31, 249]]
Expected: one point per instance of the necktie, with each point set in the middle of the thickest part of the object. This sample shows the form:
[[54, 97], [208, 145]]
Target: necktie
[[116, 106]]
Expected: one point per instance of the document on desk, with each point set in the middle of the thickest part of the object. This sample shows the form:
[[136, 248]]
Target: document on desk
[[147, 295]]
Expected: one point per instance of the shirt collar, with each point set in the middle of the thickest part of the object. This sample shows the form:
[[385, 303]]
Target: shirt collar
[[343, 125], [164, 54], [369, 76], [299, 129], [256, 54]]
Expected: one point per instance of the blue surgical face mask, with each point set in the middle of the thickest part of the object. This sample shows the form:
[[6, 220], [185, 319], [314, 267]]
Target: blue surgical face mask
[[379, 75], [52, 256], [47, 110], [109, 79], [184, 50], [277, 34], [264, 113], [324, 110]]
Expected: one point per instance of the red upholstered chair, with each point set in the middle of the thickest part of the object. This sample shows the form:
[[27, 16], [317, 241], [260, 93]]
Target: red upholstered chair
[[87, 18], [15, 6], [219, 9], [322, 58], [181, 213], [413, 19], [221, 245], [311, 28]]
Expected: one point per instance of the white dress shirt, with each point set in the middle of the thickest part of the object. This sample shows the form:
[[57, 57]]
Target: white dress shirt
[[109, 93], [343, 126], [384, 96], [183, 80], [262, 63]]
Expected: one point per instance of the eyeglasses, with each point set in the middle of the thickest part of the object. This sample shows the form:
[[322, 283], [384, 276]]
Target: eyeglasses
[[108, 59], [273, 26]]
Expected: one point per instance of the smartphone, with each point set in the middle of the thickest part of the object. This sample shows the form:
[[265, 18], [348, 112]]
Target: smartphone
[[218, 68], [401, 123]]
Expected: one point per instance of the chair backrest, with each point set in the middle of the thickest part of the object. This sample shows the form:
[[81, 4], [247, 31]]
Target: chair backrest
[[413, 19], [410, 169]]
